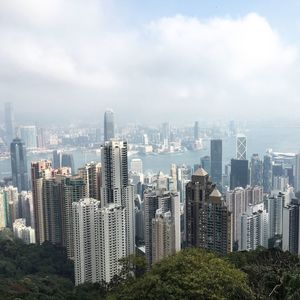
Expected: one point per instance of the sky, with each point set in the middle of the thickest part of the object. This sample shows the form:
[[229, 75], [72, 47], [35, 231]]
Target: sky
[[65, 61]]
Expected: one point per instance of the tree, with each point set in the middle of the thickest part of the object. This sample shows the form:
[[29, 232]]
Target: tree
[[190, 274]]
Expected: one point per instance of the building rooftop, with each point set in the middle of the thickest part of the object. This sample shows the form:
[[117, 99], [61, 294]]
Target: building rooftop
[[200, 172]]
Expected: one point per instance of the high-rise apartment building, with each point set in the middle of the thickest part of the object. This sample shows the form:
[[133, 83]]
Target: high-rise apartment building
[[39, 171], [208, 220], [91, 174], [291, 228], [115, 185], [275, 204], [216, 161], [162, 224], [99, 240], [109, 125], [19, 165], [23, 232], [267, 174], [241, 147]]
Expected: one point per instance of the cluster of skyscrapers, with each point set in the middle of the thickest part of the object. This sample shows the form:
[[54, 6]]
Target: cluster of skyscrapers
[[108, 210]]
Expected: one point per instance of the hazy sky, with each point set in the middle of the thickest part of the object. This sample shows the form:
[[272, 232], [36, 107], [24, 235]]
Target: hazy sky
[[150, 61]]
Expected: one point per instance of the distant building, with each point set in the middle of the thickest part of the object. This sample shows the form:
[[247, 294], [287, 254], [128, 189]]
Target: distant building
[[241, 147], [29, 136], [216, 161], [19, 165], [136, 165], [205, 163], [239, 173], [297, 173], [23, 232], [256, 171], [267, 174], [275, 204], [196, 131], [109, 125], [67, 160], [9, 123]]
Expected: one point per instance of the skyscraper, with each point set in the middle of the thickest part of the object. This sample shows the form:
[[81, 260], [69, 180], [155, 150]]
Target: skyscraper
[[67, 160], [39, 170], [99, 240], [19, 165], [297, 173], [9, 122], [256, 171], [208, 221], [196, 131], [29, 136], [216, 161], [267, 174], [109, 125], [205, 163], [241, 147], [115, 185], [162, 224], [239, 173], [91, 174]]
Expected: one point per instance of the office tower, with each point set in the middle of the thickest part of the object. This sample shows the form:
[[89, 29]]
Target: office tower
[[291, 228], [162, 224], [109, 125], [165, 132], [297, 173], [99, 240], [29, 136], [41, 141], [267, 174], [274, 206], [216, 161], [196, 131], [241, 147], [23, 232], [239, 173], [254, 228], [9, 122], [27, 210], [115, 186], [67, 160], [91, 174], [237, 205], [39, 170], [19, 165], [205, 163], [136, 165], [56, 159], [256, 171]]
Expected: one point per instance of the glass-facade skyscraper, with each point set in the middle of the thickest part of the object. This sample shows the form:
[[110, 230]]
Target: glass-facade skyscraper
[[109, 125], [19, 165], [216, 161]]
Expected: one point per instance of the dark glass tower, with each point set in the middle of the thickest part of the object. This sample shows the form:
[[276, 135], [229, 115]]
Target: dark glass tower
[[109, 125], [267, 174], [216, 161], [19, 165], [239, 175]]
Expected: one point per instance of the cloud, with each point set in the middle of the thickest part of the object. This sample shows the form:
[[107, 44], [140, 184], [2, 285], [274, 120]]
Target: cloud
[[74, 55]]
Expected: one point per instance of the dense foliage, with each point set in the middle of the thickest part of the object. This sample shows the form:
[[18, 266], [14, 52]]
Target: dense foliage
[[44, 272]]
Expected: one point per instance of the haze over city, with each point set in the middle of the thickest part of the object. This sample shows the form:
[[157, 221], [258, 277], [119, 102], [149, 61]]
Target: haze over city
[[65, 61]]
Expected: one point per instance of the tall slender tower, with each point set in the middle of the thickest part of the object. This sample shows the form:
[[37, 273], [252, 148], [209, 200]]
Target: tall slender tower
[[19, 165], [216, 161], [9, 122], [109, 125], [256, 171], [39, 171], [241, 147], [115, 186]]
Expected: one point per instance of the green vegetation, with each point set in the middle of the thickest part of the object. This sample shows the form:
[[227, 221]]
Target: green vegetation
[[43, 272]]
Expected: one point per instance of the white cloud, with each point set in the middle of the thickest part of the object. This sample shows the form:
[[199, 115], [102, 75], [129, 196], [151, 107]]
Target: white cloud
[[175, 67]]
